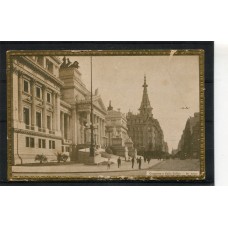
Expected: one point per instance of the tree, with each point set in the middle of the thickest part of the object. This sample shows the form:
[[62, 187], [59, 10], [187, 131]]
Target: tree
[[61, 157], [41, 158]]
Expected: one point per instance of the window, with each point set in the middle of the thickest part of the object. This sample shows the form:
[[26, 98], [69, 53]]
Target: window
[[38, 119], [62, 148], [49, 122], [43, 143], [27, 141], [39, 141], [40, 60], [38, 92], [30, 142], [26, 86], [53, 144], [48, 97], [49, 66], [26, 116]]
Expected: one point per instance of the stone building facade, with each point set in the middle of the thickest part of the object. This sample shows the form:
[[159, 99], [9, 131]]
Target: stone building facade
[[189, 144], [116, 131], [51, 107], [144, 130]]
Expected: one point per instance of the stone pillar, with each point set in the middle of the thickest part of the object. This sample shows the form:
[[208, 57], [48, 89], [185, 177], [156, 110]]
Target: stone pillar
[[20, 88], [88, 118], [62, 124], [68, 126], [102, 135], [99, 129], [103, 130], [101, 138], [58, 112], [95, 130], [74, 127], [44, 116], [88, 132], [54, 112], [33, 113]]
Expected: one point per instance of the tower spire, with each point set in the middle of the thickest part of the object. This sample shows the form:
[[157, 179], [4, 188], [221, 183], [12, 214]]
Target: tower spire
[[110, 106], [145, 107]]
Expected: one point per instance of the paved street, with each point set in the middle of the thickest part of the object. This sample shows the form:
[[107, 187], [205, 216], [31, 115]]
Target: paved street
[[178, 165], [75, 170], [81, 168]]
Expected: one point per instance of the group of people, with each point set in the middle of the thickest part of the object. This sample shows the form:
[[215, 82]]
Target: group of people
[[138, 160]]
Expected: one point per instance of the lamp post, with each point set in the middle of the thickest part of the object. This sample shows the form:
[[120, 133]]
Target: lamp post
[[91, 114]]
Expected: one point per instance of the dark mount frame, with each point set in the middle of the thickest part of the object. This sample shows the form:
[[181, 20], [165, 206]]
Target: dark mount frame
[[208, 47]]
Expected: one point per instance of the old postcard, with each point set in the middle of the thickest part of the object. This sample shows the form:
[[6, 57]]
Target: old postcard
[[106, 115]]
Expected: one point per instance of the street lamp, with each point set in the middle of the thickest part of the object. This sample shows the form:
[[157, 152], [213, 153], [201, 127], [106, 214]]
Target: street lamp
[[91, 154]]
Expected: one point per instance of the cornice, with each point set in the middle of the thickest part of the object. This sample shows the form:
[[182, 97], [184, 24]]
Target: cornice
[[22, 131], [41, 70]]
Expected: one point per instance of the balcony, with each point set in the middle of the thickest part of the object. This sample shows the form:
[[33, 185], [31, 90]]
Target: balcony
[[51, 132], [41, 129], [29, 127], [67, 141]]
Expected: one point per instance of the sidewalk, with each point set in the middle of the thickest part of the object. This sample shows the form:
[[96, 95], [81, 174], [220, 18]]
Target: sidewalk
[[81, 168]]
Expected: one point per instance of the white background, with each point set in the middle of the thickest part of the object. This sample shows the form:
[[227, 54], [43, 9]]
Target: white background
[[123, 206]]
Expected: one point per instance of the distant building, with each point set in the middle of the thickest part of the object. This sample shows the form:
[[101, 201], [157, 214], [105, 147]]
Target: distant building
[[116, 131], [144, 130], [174, 151], [189, 144]]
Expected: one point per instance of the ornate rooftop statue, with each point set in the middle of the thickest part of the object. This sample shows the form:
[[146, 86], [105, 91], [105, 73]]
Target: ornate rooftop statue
[[68, 63], [75, 64]]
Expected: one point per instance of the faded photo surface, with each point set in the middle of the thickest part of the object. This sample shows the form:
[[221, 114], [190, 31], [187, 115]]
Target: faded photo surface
[[103, 116]]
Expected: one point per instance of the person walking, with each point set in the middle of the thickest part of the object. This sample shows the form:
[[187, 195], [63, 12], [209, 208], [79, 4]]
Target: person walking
[[144, 158], [148, 160], [119, 162], [140, 162], [108, 164], [132, 162]]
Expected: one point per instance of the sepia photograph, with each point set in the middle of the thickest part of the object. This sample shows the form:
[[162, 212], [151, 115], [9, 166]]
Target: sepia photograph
[[106, 115]]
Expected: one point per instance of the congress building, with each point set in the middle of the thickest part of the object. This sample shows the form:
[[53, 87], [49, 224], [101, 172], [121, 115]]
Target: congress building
[[51, 109]]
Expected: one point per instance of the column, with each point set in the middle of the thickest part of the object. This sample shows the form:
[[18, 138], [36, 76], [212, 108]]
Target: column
[[20, 88], [33, 114], [88, 132], [88, 118], [103, 128], [95, 130], [68, 126], [74, 127], [54, 112], [62, 124], [99, 129], [101, 139], [58, 112], [44, 114]]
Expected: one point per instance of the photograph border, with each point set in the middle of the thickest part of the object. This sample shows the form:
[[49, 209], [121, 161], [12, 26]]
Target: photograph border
[[142, 52]]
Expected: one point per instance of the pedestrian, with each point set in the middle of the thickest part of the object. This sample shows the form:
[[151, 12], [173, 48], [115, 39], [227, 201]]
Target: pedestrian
[[140, 162], [108, 164], [148, 160], [144, 158], [132, 162], [119, 162]]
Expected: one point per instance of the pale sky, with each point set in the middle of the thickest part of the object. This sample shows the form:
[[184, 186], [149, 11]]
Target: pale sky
[[173, 83]]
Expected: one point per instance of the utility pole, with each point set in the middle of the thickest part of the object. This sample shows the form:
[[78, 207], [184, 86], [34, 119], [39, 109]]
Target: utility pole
[[91, 113]]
